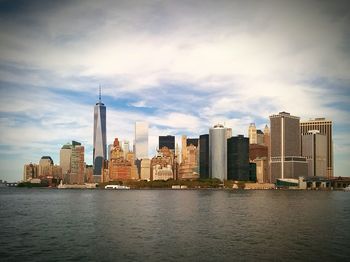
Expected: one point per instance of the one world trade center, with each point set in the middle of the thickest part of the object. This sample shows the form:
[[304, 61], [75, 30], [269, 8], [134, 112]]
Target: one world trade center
[[99, 151]]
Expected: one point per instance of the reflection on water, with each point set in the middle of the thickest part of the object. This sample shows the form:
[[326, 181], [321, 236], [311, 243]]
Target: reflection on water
[[158, 225]]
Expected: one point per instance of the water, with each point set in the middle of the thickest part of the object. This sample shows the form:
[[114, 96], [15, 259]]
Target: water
[[173, 225]]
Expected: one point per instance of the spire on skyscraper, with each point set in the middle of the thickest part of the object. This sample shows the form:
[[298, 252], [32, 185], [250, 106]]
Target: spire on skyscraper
[[99, 93]]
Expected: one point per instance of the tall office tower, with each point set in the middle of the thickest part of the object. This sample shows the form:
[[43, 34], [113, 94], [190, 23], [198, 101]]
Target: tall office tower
[[325, 128], [252, 134], [100, 148], [204, 156], [286, 160], [45, 167], [314, 148], [189, 167], [65, 156], [218, 152], [77, 164], [141, 140], [168, 141], [238, 158]]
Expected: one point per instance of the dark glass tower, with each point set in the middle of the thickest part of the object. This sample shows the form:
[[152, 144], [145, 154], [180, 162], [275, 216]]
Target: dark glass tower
[[238, 158], [100, 148], [168, 141], [204, 156]]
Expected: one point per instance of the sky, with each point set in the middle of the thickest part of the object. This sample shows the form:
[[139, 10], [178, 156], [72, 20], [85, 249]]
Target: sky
[[182, 66]]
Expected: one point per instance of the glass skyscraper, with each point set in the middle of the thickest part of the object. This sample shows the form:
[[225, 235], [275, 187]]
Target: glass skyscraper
[[100, 148]]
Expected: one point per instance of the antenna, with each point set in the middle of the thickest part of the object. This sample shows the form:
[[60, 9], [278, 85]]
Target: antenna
[[99, 93]]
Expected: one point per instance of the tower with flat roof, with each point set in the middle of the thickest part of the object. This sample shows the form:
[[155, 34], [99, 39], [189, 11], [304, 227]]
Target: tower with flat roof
[[325, 127]]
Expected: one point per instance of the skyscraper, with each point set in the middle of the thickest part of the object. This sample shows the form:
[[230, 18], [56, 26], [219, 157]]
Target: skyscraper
[[65, 158], [141, 140], [314, 148], [100, 148], [238, 158], [204, 156], [252, 134], [77, 164], [218, 152], [168, 141], [286, 160], [325, 128], [45, 167]]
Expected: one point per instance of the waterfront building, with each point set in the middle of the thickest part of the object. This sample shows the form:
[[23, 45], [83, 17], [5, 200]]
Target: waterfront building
[[141, 140], [89, 174], [65, 157], [262, 169], [285, 159], [167, 141], [30, 172], [252, 134], [145, 173], [76, 175], [314, 148], [258, 154], [99, 140], [57, 172], [204, 156], [188, 168], [325, 127], [218, 152], [164, 165], [45, 167], [119, 168], [238, 158], [252, 172], [134, 172]]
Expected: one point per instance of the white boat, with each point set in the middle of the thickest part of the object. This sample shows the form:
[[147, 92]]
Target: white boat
[[116, 187], [347, 188]]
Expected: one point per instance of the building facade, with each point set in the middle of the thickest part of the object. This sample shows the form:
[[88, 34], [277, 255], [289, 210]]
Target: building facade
[[204, 156], [325, 127], [252, 134], [141, 140], [238, 158], [314, 148], [65, 156], [218, 152], [285, 157], [77, 169], [45, 167], [167, 141]]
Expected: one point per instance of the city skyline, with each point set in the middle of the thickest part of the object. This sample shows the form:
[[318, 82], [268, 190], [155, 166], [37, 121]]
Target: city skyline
[[180, 67]]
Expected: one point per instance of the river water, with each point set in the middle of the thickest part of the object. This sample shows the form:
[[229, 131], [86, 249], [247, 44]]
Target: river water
[[173, 225]]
